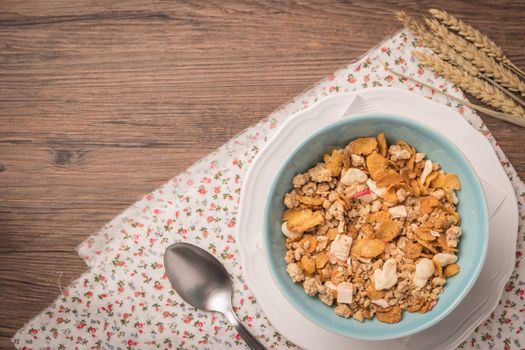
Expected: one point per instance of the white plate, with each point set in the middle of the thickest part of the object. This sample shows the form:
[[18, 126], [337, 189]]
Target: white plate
[[485, 294]]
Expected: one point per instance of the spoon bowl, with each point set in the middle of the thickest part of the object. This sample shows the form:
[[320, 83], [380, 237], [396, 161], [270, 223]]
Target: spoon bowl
[[198, 277], [203, 282]]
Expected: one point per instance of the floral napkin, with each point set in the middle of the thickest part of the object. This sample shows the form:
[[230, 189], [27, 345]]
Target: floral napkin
[[125, 300]]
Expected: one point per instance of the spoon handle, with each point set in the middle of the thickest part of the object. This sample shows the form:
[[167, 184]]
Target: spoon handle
[[252, 342]]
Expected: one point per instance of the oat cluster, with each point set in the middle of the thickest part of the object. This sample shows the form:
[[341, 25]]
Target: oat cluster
[[373, 230]]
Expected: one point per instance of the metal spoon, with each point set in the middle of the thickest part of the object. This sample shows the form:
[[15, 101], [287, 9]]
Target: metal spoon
[[202, 281]]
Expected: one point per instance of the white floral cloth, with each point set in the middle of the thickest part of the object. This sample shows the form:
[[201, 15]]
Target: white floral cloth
[[125, 300]]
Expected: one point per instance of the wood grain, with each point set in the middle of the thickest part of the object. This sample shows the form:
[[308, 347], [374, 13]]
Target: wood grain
[[101, 102]]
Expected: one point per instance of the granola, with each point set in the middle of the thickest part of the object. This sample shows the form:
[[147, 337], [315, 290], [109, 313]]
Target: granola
[[373, 230]]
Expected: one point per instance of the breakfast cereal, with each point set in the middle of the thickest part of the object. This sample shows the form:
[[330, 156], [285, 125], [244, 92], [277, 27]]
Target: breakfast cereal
[[373, 230]]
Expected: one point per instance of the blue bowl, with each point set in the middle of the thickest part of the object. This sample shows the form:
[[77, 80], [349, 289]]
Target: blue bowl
[[472, 208]]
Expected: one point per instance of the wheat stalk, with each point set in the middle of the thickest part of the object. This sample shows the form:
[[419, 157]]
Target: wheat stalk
[[499, 115], [474, 86], [473, 35], [483, 62]]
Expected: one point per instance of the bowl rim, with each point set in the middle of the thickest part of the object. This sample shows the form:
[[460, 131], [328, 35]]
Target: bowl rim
[[379, 116]]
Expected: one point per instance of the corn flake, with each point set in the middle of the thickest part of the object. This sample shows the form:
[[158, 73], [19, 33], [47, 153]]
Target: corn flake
[[451, 182], [334, 162], [381, 141], [363, 145], [451, 270], [427, 204], [308, 264], [380, 216], [313, 201], [388, 230], [373, 293], [389, 178], [376, 164], [300, 220], [320, 260], [424, 234], [372, 248], [412, 250], [392, 316], [308, 243]]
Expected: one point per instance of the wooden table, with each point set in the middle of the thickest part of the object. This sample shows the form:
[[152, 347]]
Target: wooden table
[[101, 103]]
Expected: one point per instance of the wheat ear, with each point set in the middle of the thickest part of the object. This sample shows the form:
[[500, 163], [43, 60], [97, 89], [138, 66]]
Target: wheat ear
[[473, 35], [496, 114], [443, 50], [446, 52], [484, 63], [474, 86]]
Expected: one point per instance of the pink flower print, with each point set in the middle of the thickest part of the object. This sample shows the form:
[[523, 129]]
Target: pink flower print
[[120, 289], [351, 79], [34, 331], [210, 219], [158, 285], [366, 78], [131, 343], [166, 314], [384, 49], [202, 190], [188, 319], [88, 294], [216, 189], [189, 182], [60, 320], [235, 162], [389, 77], [231, 223], [420, 71], [92, 330], [156, 211], [331, 77], [237, 336], [249, 319]]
